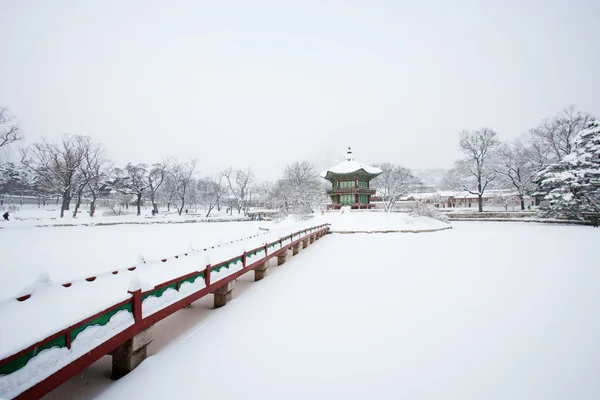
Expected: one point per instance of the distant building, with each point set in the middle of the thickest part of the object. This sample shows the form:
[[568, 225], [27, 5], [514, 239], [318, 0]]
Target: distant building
[[350, 183]]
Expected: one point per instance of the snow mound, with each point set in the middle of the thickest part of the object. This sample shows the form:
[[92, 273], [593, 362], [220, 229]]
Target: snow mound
[[42, 282]]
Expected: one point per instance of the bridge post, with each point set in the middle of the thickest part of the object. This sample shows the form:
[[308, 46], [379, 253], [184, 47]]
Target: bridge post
[[223, 294], [281, 258], [312, 239], [305, 243], [295, 249], [261, 271], [130, 354]]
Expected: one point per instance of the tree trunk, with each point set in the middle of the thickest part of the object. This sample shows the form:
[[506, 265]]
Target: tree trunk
[[65, 203], [154, 205], [479, 194], [93, 206], [139, 204], [210, 208], [77, 204], [522, 203]]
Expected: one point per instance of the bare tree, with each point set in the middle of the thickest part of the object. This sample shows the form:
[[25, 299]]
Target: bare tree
[[393, 182], [210, 191], [132, 180], [515, 165], [156, 178], [555, 135], [239, 183], [57, 164], [91, 171], [282, 195], [9, 129], [183, 178], [478, 147], [301, 186]]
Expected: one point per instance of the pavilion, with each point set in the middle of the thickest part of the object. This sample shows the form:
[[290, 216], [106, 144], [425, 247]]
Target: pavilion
[[350, 183]]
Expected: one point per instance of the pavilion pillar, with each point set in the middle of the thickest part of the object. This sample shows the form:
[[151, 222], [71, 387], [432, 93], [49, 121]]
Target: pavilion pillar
[[260, 272], [130, 354], [223, 294]]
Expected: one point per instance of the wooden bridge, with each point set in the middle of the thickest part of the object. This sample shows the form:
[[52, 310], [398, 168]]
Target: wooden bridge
[[129, 322]]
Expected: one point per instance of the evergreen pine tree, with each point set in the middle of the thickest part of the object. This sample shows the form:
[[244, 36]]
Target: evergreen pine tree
[[571, 186]]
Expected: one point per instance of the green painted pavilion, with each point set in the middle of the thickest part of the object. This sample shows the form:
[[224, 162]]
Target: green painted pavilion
[[350, 183]]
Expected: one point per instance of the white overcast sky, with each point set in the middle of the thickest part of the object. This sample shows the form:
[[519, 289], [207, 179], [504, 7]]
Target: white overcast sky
[[261, 84]]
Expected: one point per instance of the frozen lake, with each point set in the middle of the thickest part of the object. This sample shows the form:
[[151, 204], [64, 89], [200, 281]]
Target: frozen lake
[[486, 310]]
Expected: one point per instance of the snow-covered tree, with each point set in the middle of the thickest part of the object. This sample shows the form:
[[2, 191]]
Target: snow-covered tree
[[477, 167], [91, 175], [394, 182], [554, 138], [571, 186], [132, 181], [9, 129], [516, 169], [57, 164], [97, 169], [156, 177], [210, 189], [183, 178], [301, 186], [239, 183], [14, 181]]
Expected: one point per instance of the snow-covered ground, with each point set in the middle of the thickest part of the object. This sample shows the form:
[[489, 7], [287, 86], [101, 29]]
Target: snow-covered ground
[[377, 221], [485, 310], [30, 215], [69, 253]]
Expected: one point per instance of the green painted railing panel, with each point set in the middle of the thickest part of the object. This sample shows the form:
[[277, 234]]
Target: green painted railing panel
[[192, 278], [20, 362], [159, 292], [219, 268], [101, 320], [60, 342]]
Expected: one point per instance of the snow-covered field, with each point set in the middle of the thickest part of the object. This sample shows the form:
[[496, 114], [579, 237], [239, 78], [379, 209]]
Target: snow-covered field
[[485, 310], [374, 221], [69, 253]]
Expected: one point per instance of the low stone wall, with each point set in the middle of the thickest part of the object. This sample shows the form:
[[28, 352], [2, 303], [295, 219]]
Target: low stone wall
[[488, 215]]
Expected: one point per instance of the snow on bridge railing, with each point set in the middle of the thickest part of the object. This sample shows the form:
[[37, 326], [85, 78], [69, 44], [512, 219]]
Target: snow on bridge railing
[[26, 295], [73, 348]]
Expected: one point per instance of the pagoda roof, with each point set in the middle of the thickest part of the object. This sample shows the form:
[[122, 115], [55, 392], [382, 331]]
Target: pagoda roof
[[350, 166]]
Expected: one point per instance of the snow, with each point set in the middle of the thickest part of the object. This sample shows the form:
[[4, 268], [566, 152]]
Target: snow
[[375, 221], [31, 322], [72, 253], [42, 282], [349, 165], [28, 215], [485, 310], [483, 300]]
